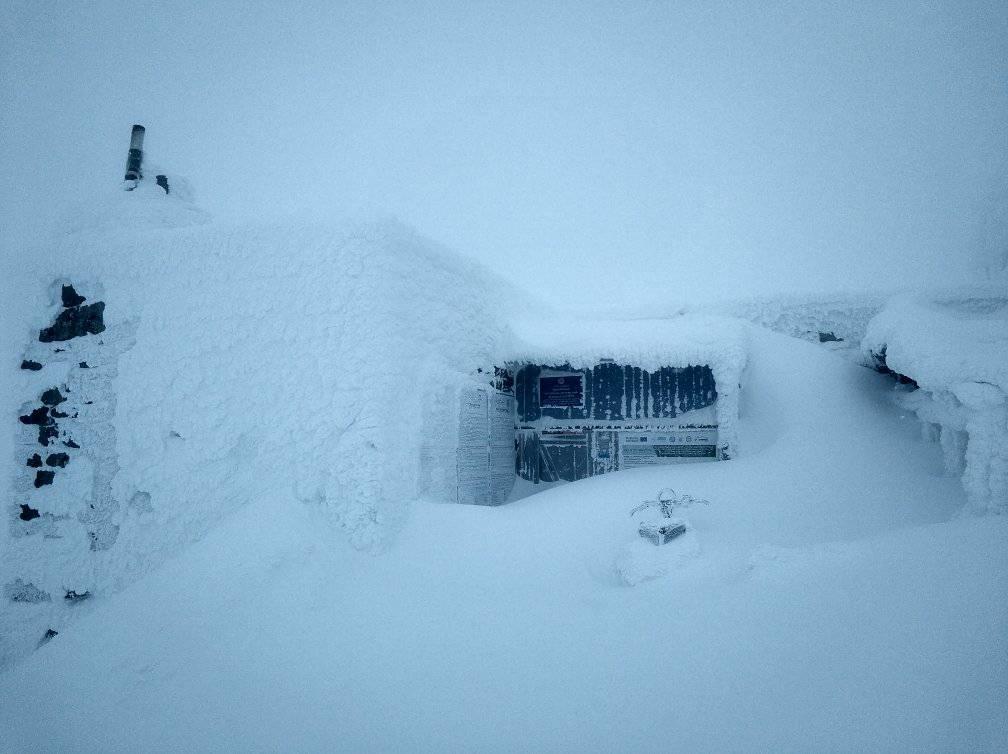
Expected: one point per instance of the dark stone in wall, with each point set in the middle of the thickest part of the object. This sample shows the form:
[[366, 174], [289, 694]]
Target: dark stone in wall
[[53, 397], [883, 367], [71, 444], [84, 365], [35, 461], [33, 366], [880, 361], [57, 459], [39, 416], [75, 322], [829, 337], [47, 433], [71, 297], [44, 477], [28, 513]]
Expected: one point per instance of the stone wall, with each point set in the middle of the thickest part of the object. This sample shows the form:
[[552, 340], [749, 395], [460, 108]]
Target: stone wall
[[62, 511]]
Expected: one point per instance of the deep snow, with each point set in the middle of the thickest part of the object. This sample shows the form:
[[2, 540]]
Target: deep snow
[[837, 602]]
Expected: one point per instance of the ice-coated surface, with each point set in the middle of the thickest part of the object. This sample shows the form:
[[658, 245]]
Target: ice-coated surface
[[285, 362], [943, 341], [956, 348]]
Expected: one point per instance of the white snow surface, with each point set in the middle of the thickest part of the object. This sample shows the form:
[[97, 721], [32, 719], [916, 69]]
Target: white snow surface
[[648, 343], [834, 603]]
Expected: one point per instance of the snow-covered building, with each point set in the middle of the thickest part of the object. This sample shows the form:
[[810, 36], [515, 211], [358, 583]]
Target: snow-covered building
[[594, 397], [217, 363], [952, 354], [173, 368]]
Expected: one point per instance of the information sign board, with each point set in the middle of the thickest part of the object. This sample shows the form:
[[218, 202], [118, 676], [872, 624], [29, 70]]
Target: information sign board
[[486, 446], [654, 448], [561, 390], [473, 450]]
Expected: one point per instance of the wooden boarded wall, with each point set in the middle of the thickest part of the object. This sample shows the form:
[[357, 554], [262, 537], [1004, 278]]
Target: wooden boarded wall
[[607, 400], [614, 393]]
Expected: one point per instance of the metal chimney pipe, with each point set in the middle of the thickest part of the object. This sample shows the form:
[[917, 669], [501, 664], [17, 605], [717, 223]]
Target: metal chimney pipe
[[135, 157]]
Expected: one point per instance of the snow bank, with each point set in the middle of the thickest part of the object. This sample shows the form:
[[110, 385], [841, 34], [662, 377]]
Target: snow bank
[[832, 607], [955, 348], [237, 363]]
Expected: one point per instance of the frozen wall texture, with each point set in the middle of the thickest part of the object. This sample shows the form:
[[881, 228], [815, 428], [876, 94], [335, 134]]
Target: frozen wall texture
[[293, 363], [955, 350]]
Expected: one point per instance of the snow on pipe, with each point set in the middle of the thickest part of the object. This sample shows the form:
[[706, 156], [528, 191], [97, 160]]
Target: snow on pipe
[[135, 156]]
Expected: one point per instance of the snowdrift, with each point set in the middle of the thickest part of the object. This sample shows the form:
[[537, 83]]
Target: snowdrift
[[827, 603]]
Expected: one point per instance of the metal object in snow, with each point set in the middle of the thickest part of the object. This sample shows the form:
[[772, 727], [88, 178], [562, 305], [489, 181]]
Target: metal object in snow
[[660, 534], [135, 157]]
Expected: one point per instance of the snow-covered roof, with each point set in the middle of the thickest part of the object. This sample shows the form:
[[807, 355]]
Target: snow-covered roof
[[944, 343], [716, 341]]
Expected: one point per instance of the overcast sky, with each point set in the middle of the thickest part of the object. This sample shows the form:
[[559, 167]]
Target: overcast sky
[[593, 150]]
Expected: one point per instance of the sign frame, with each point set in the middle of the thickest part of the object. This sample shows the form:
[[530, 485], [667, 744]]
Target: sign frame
[[558, 386]]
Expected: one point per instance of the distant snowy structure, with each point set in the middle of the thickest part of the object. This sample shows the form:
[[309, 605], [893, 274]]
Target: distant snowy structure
[[840, 319], [955, 349]]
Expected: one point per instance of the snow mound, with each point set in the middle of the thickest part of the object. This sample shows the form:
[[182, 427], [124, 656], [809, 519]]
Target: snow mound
[[641, 560], [146, 207], [955, 348], [945, 341]]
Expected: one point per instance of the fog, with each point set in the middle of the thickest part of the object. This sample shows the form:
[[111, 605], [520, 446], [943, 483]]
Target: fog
[[617, 153]]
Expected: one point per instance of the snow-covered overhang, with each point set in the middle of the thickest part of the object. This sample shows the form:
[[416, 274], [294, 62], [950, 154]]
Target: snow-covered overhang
[[686, 340]]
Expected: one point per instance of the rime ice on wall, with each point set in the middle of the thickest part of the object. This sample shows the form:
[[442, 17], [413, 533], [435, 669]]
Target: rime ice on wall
[[63, 511], [956, 350], [311, 363]]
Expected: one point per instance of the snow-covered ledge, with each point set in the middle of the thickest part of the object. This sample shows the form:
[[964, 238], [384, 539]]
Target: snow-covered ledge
[[955, 351]]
